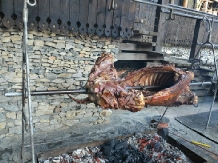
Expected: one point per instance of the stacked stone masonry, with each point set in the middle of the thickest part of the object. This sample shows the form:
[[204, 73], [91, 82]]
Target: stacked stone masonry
[[56, 62], [206, 53]]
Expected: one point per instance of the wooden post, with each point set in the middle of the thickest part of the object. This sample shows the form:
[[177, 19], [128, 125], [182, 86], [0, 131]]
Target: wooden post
[[185, 3]]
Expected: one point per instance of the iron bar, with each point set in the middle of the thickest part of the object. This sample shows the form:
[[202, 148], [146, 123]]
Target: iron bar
[[26, 59], [178, 8], [84, 91], [162, 116], [211, 108], [215, 45], [184, 15]]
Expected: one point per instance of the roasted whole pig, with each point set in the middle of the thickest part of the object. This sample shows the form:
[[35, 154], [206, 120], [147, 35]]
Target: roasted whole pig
[[106, 89]]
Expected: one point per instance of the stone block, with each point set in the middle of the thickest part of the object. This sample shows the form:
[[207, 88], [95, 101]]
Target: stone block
[[33, 76], [68, 46], [14, 130], [10, 124], [15, 38], [10, 107], [100, 121], [30, 42], [11, 115], [58, 81], [106, 113], [64, 75], [44, 120], [6, 39], [39, 43], [50, 44], [10, 76], [60, 45], [96, 114], [70, 114], [6, 34], [89, 114], [77, 75], [2, 125], [18, 122], [1, 110], [70, 122]]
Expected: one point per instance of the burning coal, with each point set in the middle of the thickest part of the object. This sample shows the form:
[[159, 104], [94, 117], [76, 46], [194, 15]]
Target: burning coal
[[136, 149]]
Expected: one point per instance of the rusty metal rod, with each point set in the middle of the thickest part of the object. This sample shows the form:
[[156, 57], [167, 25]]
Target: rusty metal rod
[[84, 91]]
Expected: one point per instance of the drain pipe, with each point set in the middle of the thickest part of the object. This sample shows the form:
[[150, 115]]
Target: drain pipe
[[27, 81]]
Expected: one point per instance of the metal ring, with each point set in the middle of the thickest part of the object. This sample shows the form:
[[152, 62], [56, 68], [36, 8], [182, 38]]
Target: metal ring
[[31, 4]]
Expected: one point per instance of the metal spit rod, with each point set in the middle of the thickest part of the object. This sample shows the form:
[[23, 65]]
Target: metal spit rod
[[84, 91]]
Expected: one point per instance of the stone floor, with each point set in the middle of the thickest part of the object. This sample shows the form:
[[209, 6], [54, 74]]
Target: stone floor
[[129, 123], [123, 123]]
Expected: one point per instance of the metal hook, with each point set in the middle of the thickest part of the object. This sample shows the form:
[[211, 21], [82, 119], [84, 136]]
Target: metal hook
[[171, 16], [208, 41], [112, 6], [31, 4]]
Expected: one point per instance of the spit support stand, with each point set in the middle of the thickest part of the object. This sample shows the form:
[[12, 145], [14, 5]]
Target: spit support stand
[[196, 62], [26, 85]]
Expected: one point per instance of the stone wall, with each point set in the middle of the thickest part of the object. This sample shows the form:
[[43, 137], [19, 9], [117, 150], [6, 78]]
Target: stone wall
[[56, 62], [206, 54]]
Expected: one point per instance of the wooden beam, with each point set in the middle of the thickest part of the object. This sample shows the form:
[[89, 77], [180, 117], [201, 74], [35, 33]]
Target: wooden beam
[[138, 56]]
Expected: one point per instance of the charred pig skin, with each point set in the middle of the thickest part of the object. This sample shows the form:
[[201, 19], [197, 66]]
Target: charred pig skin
[[107, 90]]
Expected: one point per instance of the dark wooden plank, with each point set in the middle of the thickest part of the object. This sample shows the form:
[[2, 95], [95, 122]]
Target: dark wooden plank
[[203, 87], [93, 4], [137, 21], [132, 46], [43, 14], [116, 18], [177, 61], [7, 8], [203, 73], [54, 15], [138, 56], [83, 15], [74, 15], [108, 18], [33, 13], [124, 18], [202, 93], [64, 16], [156, 23], [202, 78], [101, 17], [130, 19], [18, 11]]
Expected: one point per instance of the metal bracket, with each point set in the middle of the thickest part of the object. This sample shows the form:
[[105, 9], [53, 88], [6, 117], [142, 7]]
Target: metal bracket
[[171, 15]]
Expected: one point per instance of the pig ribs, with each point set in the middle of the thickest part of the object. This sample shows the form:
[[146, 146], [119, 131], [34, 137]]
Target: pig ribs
[[106, 89]]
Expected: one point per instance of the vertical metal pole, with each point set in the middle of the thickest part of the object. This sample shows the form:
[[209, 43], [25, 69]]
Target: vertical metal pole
[[211, 108], [25, 52], [194, 46], [23, 106]]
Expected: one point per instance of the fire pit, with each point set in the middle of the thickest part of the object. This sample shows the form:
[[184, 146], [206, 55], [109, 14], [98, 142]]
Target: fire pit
[[139, 148]]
